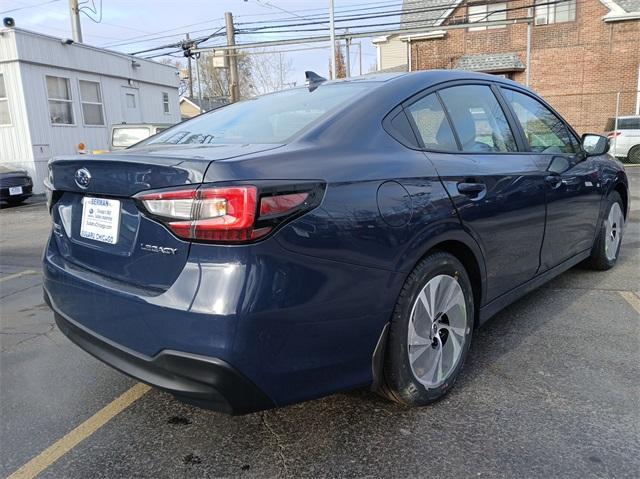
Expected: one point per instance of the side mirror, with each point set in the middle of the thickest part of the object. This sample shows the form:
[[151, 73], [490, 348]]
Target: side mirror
[[595, 145]]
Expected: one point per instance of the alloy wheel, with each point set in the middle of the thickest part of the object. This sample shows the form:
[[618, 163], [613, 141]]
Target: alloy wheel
[[438, 327], [613, 231]]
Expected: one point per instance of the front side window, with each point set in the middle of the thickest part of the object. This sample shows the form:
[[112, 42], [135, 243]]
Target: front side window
[[478, 119], [60, 102], [165, 102], [272, 118], [5, 117], [432, 124], [488, 12], [91, 99], [545, 132], [126, 136], [549, 12]]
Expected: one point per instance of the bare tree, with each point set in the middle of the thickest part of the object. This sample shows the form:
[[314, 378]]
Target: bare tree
[[269, 71], [341, 67], [183, 86], [214, 81]]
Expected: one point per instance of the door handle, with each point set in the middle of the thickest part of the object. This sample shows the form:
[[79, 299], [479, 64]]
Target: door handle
[[553, 180], [472, 189]]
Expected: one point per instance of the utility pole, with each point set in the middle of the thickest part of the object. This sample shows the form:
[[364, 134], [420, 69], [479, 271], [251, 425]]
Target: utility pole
[[188, 41], [234, 87], [198, 75], [76, 30], [332, 34]]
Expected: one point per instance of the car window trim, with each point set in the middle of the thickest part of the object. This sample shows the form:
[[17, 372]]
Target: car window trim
[[416, 130]]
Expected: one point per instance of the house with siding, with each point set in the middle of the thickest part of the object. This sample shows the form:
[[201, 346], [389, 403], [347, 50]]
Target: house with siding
[[583, 55], [56, 95]]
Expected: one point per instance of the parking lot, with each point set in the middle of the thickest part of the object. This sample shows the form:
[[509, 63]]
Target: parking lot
[[551, 389]]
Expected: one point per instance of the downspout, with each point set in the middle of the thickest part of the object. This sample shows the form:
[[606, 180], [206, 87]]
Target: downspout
[[527, 80]]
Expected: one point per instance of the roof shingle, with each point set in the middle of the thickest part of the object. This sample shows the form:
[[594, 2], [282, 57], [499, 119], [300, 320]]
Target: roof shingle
[[491, 62]]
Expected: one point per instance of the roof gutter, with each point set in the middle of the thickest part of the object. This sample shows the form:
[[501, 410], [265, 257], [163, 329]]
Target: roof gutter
[[622, 17]]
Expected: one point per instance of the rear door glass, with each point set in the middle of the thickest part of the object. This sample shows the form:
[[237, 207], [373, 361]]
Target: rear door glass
[[478, 119]]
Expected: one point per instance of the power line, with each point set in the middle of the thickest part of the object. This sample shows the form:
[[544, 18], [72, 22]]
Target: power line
[[142, 38], [423, 23], [29, 6]]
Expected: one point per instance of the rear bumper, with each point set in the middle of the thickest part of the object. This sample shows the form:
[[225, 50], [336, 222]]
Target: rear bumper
[[203, 381], [27, 191]]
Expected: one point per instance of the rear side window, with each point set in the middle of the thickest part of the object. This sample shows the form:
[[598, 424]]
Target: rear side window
[[478, 119], [432, 124], [629, 123], [545, 132]]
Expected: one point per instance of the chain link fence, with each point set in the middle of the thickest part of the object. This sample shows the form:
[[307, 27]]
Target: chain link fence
[[591, 112]]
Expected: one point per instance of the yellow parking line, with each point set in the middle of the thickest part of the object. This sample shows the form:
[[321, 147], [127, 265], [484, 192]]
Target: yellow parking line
[[17, 275], [54, 452], [632, 299]]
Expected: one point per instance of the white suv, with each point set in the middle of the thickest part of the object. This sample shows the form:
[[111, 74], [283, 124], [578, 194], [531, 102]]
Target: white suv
[[625, 139]]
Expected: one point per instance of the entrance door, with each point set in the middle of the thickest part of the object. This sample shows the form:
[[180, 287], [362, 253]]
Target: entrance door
[[131, 105]]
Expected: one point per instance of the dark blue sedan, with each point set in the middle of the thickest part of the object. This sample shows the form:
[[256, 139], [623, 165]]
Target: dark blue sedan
[[344, 234]]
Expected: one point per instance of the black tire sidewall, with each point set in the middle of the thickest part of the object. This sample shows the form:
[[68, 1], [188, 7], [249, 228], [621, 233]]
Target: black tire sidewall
[[399, 376]]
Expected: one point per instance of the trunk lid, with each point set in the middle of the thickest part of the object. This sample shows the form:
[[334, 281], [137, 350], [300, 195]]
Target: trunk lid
[[142, 252]]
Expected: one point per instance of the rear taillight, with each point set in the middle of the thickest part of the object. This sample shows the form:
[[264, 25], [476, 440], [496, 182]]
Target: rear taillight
[[227, 213]]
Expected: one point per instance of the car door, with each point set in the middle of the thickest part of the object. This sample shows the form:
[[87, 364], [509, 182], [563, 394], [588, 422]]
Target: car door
[[497, 191], [573, 186]]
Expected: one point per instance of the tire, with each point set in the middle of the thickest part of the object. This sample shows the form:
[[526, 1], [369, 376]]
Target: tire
[[411, 373], [609, 238], [633, 156]]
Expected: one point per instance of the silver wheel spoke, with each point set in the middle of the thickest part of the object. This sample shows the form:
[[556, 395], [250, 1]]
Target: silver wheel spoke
[[434, 354], [613, 231]]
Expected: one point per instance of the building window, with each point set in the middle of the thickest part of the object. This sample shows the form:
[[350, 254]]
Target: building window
[[131, 100], [91, 100], [60, 102], [488, 12], [555, 13], [165, 102], [5, 117]]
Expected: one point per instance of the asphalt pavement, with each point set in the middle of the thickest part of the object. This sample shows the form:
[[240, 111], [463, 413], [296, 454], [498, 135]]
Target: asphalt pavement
[[551, 389]]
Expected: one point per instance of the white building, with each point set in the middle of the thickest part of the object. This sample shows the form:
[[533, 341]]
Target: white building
[[56, 94]]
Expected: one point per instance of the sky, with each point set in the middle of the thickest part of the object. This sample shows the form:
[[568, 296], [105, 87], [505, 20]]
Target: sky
[[131, 26]]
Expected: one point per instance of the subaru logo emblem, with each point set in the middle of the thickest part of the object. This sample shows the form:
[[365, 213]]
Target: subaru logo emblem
[[83, 178]]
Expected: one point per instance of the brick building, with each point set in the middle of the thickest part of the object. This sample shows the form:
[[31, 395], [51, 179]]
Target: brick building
[[582, 52]]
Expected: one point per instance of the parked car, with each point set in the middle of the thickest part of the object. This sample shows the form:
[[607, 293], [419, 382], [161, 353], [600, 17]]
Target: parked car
[[15, 185], [352, 233], [625, 138], [127, 134]]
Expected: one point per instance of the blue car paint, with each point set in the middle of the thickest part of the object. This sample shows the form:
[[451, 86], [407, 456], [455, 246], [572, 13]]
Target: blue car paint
[[300, 313]]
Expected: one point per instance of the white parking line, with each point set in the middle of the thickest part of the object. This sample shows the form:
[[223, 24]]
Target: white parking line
[[17, 275], [58, 449], [632, 299]]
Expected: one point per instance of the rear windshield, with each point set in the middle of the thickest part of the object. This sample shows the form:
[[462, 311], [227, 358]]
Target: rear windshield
[[624, 124], [265, 119], [124, 137]]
